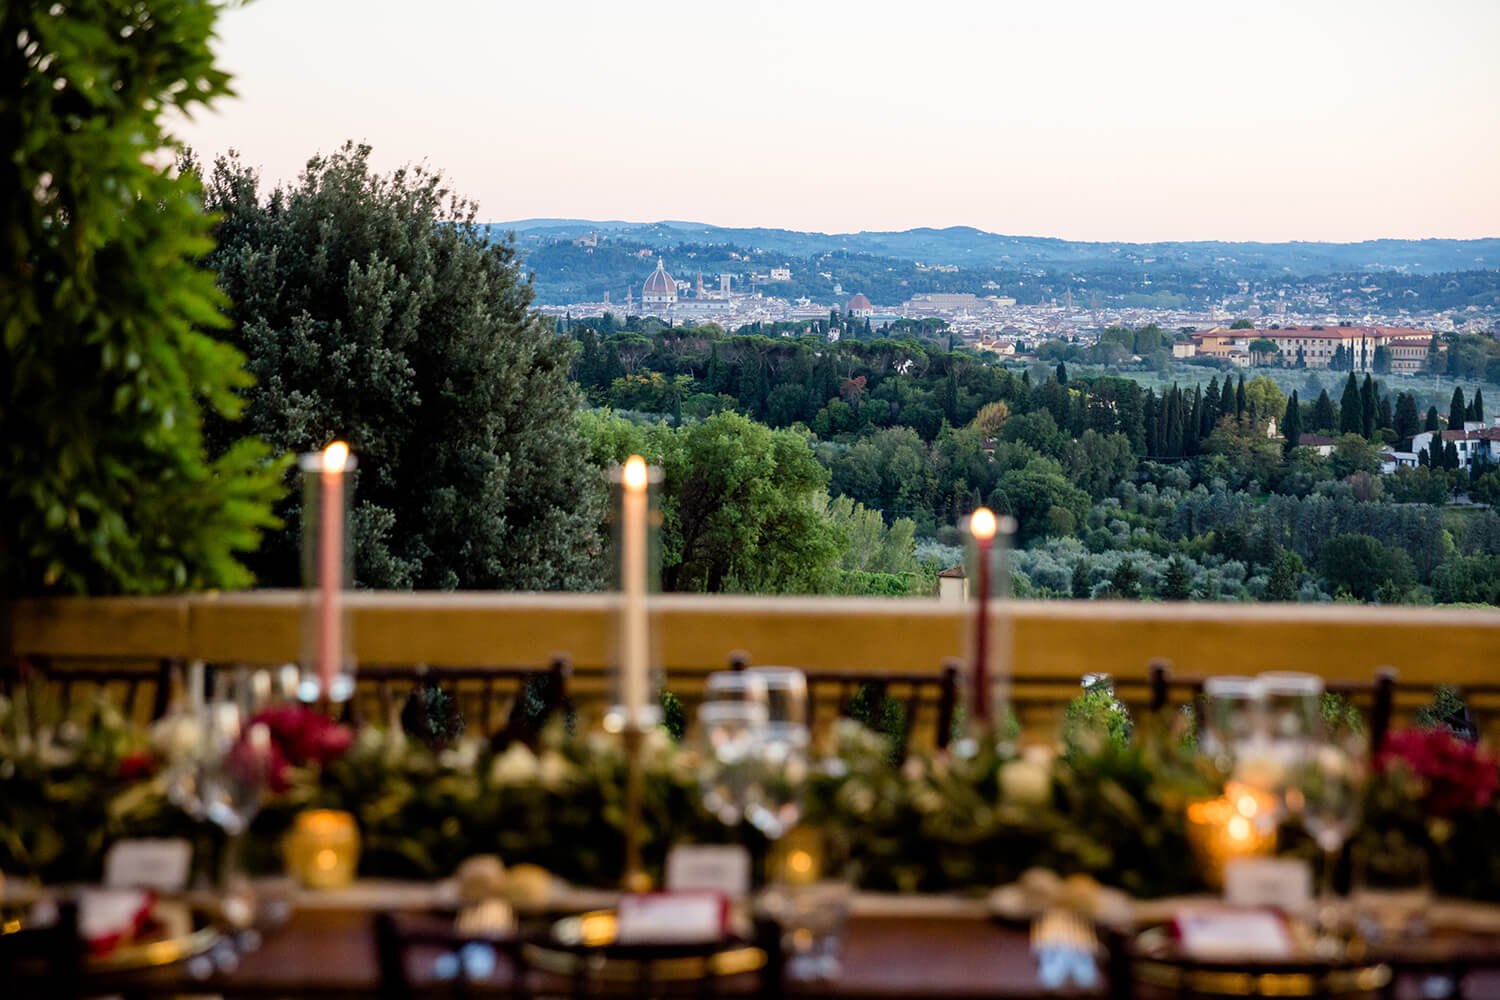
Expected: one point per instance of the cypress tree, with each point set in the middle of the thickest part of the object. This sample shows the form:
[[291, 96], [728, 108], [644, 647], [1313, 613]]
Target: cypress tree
[[1383, 417], [1367, 407], [1477, 407], [1177, 583], [1211, 402], [1239, 399], [1351, 409], [1450, 456], [1432, 420], [1456, 410], [1151, 424], [1172, 442], [1080, 587], [1191, 425], [1062, 373], [1424, 458], [613, 367], [1407, 421], [1291, 424], [1323, 419]]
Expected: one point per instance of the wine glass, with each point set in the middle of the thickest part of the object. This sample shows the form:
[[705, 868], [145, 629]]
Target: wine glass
[[782, 750], [234, 771], [736, 685], [1326, 793], [728, 732], [1232, 717]]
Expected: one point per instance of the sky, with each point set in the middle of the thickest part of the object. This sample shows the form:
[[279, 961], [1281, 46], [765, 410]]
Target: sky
[[1335, 120]]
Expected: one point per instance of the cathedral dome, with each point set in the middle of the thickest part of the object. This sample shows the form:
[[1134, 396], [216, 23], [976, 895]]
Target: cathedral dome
[[858, 304], [659, 284]]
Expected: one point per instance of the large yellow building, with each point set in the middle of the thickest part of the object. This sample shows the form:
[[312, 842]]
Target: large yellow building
[[1406, 346]]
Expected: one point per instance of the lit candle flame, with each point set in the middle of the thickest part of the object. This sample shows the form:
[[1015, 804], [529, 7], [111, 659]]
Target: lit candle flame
[[335, 456], [635, 473], [982, 524]]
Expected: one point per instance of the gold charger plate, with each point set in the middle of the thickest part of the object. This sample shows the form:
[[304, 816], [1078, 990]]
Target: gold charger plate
[[185, 932], [1151, 964], [597, 930]]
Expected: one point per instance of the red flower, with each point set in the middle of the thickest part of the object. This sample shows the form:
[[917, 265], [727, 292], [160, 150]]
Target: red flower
[[305, 736], [1456, 773], [136, 764]]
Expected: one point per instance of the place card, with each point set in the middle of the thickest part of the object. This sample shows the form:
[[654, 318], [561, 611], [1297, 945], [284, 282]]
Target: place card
[[672, 918], [1220, 933], [723, 868], [162, 864], [1285, 883]]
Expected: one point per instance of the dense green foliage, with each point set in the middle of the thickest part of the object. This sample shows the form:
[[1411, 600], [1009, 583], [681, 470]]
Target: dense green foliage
[[1119, 489], [373, 309], [105, 371]]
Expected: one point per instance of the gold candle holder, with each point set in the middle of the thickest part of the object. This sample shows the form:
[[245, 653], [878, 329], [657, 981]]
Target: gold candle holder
[[1223, 829], [322, 849]]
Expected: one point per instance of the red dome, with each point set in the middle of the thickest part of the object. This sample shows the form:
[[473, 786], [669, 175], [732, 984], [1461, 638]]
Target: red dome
[[660, 282], [858, 302]]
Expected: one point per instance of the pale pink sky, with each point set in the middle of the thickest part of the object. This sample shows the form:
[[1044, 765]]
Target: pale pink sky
[[1103, 120]]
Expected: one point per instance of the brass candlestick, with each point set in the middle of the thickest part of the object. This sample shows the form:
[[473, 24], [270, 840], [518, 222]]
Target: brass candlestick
[[635, 878]]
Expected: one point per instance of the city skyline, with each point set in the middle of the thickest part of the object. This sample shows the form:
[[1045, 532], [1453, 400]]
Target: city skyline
[[1333, 122]]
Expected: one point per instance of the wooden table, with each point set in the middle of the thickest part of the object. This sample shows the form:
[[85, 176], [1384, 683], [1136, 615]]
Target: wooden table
[[921, 947]]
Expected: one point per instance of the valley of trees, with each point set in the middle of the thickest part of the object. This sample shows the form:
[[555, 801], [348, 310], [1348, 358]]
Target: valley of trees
[[1118, 490]]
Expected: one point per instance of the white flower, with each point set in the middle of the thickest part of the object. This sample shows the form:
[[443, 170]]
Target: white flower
[[1025, 782], [461, 757], [516, 766], [176, 736], [554, 770]]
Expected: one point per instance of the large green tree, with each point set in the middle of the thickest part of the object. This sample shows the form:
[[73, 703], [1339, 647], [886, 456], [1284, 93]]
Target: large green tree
[[105, 368], [374, 309], [743, 506]]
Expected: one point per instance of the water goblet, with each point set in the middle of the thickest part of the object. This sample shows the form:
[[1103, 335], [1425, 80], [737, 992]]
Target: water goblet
[[728, 732]]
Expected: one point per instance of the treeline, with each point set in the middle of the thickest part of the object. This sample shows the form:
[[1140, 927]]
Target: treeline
[[916, 431]]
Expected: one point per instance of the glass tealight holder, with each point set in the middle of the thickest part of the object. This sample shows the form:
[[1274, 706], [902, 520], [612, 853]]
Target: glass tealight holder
[[322, 848], [327, 660], [635, 521]]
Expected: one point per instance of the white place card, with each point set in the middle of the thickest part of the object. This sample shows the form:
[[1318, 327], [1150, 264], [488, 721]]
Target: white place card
[[723, 868], [672, 918], [161, 864], [1233, 933], [1285, 883]]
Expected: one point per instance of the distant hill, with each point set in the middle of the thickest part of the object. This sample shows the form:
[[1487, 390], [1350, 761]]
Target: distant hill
[[968, 247]]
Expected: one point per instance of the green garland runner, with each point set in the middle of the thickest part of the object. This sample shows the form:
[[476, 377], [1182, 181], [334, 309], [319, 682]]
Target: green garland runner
[[1116, 812]]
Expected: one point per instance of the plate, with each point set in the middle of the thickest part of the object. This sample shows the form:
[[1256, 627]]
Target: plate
[[588, 939], [177, 932], [1156, 961]]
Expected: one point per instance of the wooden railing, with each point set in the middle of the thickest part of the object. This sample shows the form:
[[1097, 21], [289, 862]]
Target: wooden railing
[[1054, 642]]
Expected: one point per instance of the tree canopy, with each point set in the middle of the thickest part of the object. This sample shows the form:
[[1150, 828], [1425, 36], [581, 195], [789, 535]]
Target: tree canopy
[[374, 309], [105, 368]]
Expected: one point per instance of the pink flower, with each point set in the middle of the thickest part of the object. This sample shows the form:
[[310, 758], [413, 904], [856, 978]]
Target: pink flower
[[1456, 774]]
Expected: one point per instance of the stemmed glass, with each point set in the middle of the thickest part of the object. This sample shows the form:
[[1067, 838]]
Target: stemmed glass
[[1288, 730], [782, 750], [1326, 792], [728, 732], [1232, 718], [221, 763]]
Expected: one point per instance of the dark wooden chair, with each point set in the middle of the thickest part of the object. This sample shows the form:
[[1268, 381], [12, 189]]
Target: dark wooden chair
[[480, 692], [912, 690], [1162, 683], [44, 962], [69, 682]]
